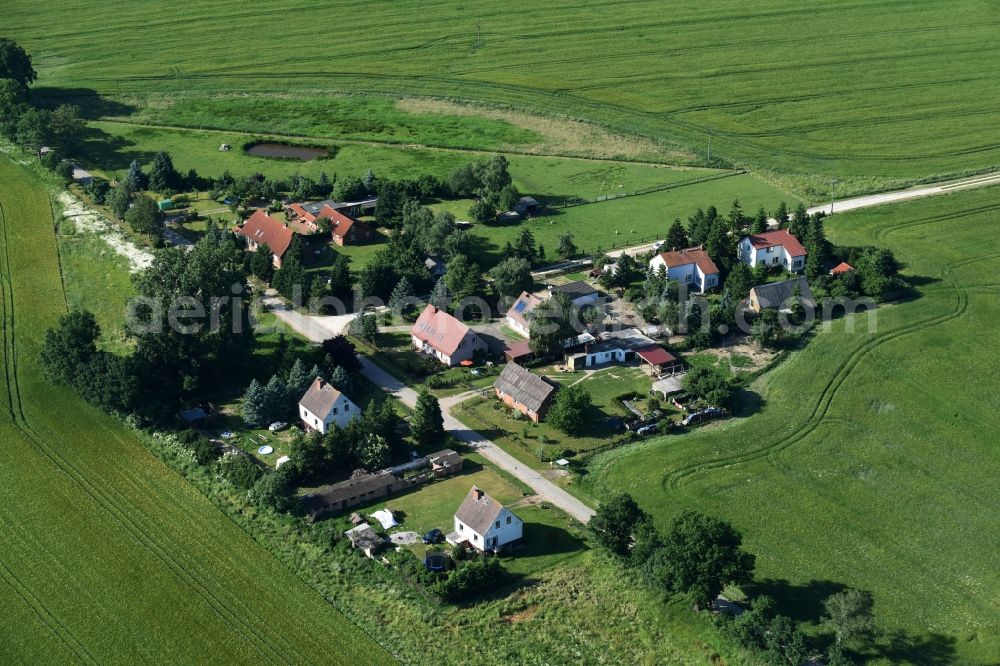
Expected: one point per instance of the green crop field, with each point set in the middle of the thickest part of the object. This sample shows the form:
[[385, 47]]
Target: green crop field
[[873, 462], [102, 543], [870, 92]]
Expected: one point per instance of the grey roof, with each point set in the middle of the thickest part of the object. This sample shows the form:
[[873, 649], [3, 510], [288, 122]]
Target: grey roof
[[444, 458], [775, 294], [363, 536], [632, 338], [320, 398], [350, 488], [479, 511], [574, 289], [526, 388]]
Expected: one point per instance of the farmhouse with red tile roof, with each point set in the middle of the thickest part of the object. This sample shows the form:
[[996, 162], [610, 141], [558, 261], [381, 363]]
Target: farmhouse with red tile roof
[[445, 338], [691, 266], [345, 230], [773, 248], [262, 228]]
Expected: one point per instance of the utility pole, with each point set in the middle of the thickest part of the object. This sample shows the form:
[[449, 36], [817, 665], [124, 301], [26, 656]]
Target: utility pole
[[709, 146], [833, 190]]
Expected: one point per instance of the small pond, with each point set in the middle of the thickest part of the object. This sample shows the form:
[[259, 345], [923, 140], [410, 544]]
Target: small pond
[[287, 151]]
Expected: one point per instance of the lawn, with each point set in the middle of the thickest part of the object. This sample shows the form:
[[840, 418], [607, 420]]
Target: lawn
[[549, 537], [862, 92], [872, 462], [434, 504], [396, 355], [101, 540], [98, 281], [538, 443]]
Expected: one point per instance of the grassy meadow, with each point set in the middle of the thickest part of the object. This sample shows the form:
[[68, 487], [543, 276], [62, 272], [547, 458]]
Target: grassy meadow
[[870, 92], [101, 542], [608, 224], [873, 460]]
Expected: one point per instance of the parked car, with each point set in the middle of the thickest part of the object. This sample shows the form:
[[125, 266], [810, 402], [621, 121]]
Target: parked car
[[277, 425], [414, 456], [658, 244], [434, 536], [647, 429], [704, 415]]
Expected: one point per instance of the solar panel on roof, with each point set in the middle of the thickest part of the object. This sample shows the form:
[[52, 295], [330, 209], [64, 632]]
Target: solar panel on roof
[[520, 306]]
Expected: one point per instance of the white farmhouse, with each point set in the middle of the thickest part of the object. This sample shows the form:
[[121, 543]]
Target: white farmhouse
[[323, 406], [772, 249], [485, 523], [691, 266]]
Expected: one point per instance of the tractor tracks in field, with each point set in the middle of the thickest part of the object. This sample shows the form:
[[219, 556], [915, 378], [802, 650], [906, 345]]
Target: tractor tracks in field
[[817, 415], [274, 647]]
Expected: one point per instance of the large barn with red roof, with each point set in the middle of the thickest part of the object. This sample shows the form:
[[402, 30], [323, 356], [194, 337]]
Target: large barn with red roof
[[262, 228]]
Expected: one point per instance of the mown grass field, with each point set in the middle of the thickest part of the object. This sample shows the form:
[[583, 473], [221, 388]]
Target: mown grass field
[[874, 459], [874, 93], [108, 555]]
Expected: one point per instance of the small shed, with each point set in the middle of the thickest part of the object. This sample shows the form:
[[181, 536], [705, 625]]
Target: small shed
[[668, 386], [365, 539], [656, 360], [165, 204], [518, 352]]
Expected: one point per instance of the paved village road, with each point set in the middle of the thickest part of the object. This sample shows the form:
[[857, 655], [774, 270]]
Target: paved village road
[[317, 330]]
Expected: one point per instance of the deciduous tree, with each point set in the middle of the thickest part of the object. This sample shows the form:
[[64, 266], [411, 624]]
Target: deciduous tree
[[571, 410]]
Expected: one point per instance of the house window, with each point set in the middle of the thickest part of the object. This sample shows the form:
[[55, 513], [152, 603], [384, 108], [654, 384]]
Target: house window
[[770, 250], [347, 406], [475, 537], [508, 520], [498, 524], [461, 527], [334, 411], [687, 278]]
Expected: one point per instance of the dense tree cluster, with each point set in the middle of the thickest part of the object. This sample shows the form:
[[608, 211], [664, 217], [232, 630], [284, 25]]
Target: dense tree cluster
[[697, 556], [187, 332], [277, 400], [366, 443]]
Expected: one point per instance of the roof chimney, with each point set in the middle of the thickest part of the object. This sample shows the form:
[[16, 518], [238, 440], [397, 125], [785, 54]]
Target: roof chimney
[[478, 493]]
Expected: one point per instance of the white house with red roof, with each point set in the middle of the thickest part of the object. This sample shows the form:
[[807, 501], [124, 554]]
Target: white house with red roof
[[445, 338], [519, 315], [691, 266], [262, 228], [773, 249]]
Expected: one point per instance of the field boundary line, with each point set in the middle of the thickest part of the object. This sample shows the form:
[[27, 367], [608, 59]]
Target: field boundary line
[[103, 499]]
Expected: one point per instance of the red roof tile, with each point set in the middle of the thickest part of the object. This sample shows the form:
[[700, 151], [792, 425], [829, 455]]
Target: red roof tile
[[656, 355], [440, 330], [341, 223], [691, 255], [302, 212], [778, 237], [262, 228], [842, 267]]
